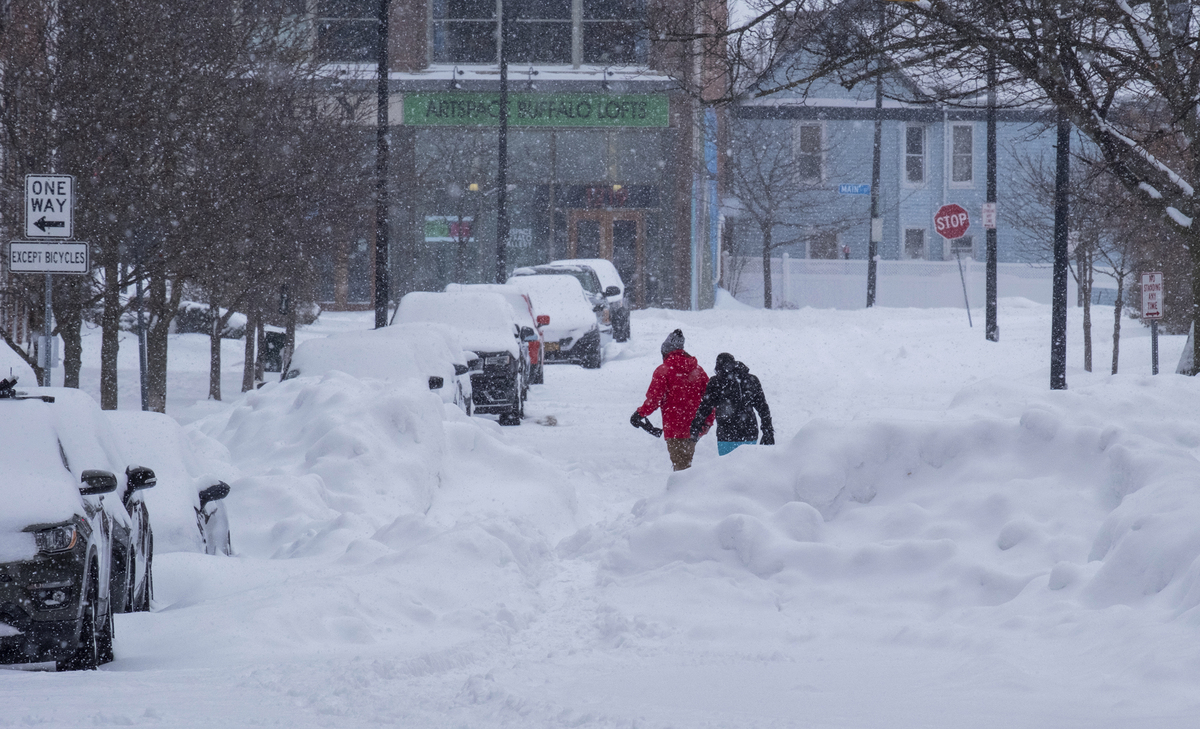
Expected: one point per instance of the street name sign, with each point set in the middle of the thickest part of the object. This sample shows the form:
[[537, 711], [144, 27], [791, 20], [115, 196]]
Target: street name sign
[[853, 189], [49, 206], [40, 256], [1152, 295], [951, 221]]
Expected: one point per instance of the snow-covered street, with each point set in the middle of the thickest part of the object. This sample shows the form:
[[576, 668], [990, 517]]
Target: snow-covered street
[[938, 541]]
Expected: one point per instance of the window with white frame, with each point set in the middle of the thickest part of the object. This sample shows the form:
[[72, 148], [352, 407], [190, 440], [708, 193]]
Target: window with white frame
[[914, 154], [962, 154], [914, 243], [810, 152]]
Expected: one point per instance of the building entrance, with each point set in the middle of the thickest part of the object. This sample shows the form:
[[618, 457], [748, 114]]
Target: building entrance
[[619, 236]]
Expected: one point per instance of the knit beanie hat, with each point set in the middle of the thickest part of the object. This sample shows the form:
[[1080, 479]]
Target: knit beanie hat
[[673, 342]]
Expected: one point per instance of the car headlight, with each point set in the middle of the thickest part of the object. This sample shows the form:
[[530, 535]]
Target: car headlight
[[57, 539], [499, 360]]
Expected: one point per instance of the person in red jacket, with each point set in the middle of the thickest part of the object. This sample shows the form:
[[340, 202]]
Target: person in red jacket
[[676, 388]]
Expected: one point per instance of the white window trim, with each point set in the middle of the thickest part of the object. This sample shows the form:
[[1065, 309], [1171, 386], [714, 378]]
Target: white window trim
[[950, 156], [924, 155], [823, 160]]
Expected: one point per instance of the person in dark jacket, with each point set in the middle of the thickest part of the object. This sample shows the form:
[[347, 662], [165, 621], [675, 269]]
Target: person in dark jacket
[[676, 389], [734, 395]]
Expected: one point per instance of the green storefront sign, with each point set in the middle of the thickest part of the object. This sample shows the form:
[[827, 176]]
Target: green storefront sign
[[537, 110]]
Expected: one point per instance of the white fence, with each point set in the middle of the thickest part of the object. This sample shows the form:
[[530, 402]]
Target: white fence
[[841, 284]]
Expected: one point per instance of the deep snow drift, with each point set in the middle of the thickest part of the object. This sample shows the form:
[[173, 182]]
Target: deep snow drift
[[938, 541]]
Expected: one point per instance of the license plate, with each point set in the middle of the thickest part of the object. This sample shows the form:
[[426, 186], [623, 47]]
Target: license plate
[[551, 346]]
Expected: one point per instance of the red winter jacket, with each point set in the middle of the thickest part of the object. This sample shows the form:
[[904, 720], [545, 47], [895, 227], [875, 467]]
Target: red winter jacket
[[677, 387]]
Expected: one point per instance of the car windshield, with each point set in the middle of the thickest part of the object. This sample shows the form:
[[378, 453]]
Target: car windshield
[[586, 278]]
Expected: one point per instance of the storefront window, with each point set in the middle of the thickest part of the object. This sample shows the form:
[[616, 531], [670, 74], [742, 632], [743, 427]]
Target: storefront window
[[347, 30]]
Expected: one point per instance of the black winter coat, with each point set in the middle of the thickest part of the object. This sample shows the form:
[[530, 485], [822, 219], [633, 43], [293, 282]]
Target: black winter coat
[[735, 394]]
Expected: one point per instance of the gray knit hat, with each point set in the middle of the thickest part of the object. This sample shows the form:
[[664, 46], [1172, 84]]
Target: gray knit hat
[[673, 342]]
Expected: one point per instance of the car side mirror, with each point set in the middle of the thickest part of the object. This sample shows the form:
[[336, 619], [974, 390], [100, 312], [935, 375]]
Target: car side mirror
[[528, 335], [461, 369], [612, 291], [97, 482], [435, 382], [543, 320], [216, 492], [140, 477]]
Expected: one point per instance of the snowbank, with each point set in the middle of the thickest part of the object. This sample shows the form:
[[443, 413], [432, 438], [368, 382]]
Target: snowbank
[[331, 461], [950, 514]]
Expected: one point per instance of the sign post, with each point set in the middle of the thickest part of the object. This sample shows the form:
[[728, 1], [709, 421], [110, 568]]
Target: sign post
[[1152, 309], [951, 222], [49, 213]]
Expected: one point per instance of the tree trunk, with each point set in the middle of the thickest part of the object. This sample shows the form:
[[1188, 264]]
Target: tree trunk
[[249, 360], [1085, 291], [1193, 241], [260, 336], [766, 266], [1117, 320], [162, 312], [214, 353], [110, 335]]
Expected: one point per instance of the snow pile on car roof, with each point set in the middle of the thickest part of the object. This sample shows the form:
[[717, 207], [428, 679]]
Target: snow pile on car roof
[[399, 352], [953, 514], [484, 320], [337, 464], [560, 297]]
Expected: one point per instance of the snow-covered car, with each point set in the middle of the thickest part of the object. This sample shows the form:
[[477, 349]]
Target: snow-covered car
[[523, 308], [187, 502], [69, 558], [572, 333], [592, 289], [613, 289], [425, 353], [487, 325]]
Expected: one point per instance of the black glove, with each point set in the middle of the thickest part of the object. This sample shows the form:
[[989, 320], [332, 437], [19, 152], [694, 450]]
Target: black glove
[[768, 438], [636, 419]]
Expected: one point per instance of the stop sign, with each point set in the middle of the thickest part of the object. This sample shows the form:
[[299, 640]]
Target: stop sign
[[951, 221]]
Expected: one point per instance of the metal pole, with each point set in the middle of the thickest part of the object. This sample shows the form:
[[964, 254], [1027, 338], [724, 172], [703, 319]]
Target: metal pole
[[47, 350], [1058, 324], [1154, 345], [992, 330], [502, 161], [876, 221], [962, 277], [382, 259]]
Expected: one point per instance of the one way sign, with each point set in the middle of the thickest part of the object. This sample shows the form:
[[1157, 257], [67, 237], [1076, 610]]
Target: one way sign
[[49, 206]]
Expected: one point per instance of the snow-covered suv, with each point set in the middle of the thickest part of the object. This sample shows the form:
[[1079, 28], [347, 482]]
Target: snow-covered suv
[[69, 551]]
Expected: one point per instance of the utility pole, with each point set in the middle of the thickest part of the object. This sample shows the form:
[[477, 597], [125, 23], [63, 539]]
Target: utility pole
[[876, 221], [382, 259], [992, 330], [1058, 324], [502, 162]]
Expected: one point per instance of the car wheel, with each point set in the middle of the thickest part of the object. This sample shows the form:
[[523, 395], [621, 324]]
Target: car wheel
[[104, 639], [592, 358], [86, 657], [143, 602]]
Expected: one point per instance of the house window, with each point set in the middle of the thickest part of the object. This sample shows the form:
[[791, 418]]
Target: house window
[[914, 154], [962, 154], [809, 153], [347, 30], [607, 32], [914, 243], [823, 245]]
